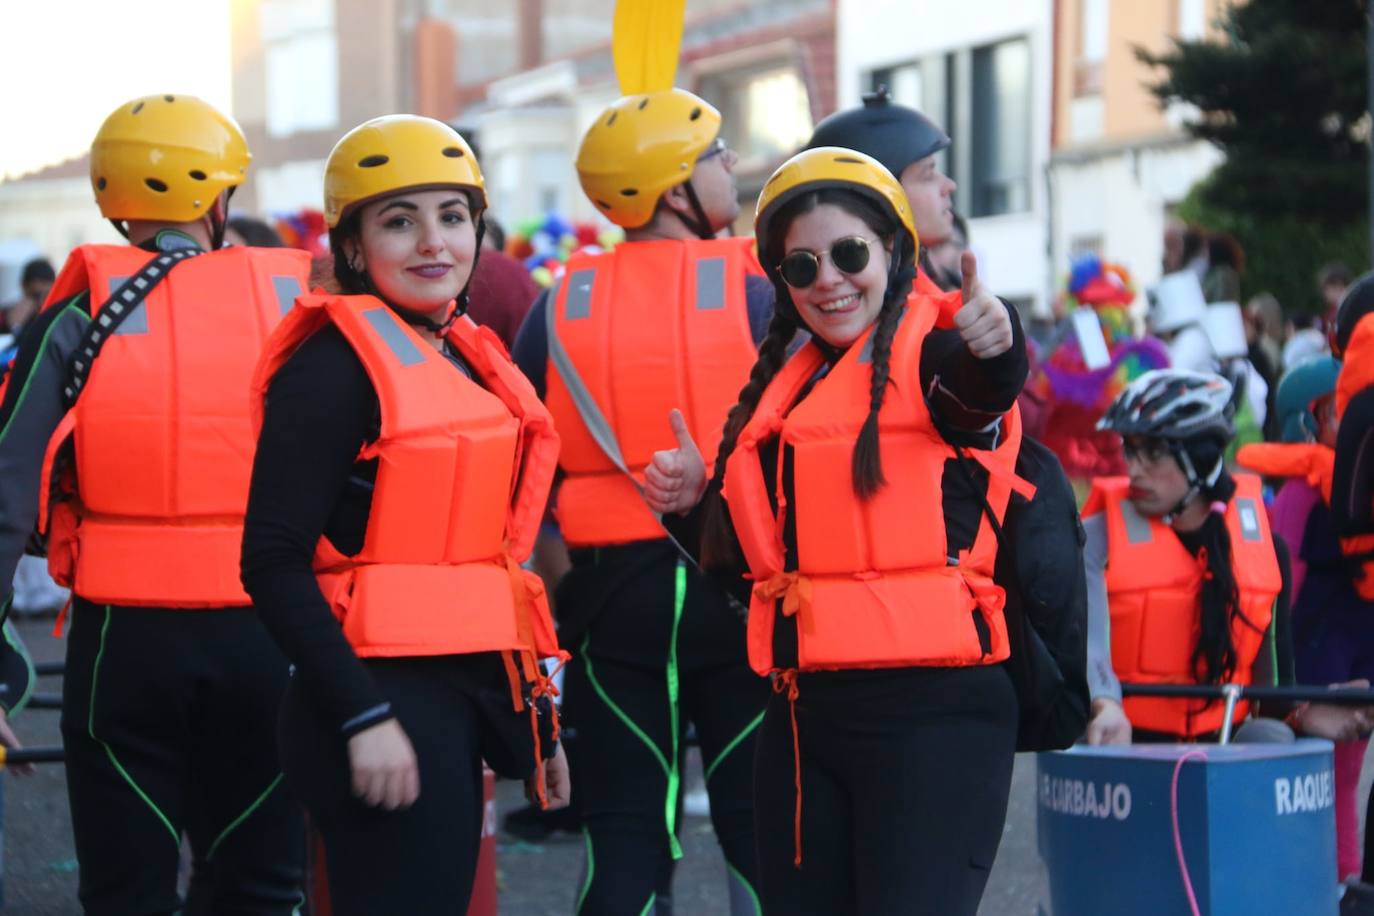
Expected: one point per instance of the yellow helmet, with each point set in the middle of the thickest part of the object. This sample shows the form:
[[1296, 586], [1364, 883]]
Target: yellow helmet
[[641, 146], [395, 152], [831, 167], [166, 157]]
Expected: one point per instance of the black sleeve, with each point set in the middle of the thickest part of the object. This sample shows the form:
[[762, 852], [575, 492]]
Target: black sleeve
[[1352, 487], [531, 351], [1049, 586], [319, 411], [31, 410], [1274, 664], [968, 394]]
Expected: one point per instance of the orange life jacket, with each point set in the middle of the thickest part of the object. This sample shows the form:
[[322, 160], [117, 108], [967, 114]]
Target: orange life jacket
[[463, 474], [873, 585], [647, 327], [949, 302], [161, 435], [1154, 592], [1311, 461], [1357, 374]]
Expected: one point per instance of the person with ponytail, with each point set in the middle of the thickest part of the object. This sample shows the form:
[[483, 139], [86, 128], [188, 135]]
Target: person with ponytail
[[402, 467], [1187, 584], [854, 504]]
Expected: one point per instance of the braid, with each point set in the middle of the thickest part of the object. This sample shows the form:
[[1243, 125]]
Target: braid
[[718, 545], [867, 467], [1214, 656]]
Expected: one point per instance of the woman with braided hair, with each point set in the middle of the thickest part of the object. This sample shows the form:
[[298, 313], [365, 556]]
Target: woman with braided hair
[[856, 485]]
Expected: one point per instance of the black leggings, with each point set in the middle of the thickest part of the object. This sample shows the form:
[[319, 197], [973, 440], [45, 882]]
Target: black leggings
[[627, 751], [422, 859], [168, 720], [905, 776]]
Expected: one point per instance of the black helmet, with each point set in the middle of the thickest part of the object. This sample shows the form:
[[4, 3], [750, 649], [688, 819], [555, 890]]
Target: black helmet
[[893, 134], [1357, 302]]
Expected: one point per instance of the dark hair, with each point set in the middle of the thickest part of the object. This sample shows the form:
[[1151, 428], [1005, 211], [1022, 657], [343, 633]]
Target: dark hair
[[1334, 273], [496, 233], [718, 548], [351, 282], [1193, 242], [1224, 249], [1214, 657], [256, 232], [37, 269]]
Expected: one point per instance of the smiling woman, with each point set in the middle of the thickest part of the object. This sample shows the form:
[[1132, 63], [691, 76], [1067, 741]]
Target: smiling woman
[[166, 61], [402, 468]]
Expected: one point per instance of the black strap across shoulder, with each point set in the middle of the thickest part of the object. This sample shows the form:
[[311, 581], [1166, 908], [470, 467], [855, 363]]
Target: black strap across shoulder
[[107, 319]]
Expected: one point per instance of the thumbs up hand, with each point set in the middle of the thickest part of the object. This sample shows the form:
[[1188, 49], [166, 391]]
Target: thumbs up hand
[[675, 478], [983, 321]]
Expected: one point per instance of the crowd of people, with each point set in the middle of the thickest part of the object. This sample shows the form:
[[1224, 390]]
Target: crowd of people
[[332, 526]]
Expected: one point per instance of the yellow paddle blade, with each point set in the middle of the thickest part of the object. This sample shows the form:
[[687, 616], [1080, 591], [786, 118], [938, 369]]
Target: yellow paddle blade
[[645, 38]]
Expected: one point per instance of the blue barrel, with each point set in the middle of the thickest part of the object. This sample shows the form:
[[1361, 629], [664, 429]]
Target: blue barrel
[[1257, 824]]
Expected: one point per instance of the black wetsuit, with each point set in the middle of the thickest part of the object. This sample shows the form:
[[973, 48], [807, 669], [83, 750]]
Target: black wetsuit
[[169, 714], [905, 771], [655, 647], [320, 410]]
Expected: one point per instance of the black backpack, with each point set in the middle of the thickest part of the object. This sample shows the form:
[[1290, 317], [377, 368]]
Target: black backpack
[[1040, 567]]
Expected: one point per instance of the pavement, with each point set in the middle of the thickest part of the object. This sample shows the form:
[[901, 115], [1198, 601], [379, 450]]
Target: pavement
[[39, 862]]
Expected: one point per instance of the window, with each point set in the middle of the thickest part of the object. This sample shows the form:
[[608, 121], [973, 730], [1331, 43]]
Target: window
[[1000, 167], [1092, 47], [1092, 30], [766, 112], [925, 85], [1192, 19], [302, 65]]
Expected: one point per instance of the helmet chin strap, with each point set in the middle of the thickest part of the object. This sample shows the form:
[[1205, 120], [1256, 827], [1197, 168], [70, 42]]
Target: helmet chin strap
[[1195, 481], [456, 308], [699, 223]]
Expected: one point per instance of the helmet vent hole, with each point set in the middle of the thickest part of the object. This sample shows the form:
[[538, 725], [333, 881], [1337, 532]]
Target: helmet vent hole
[[197, 174], [696, 113], [849, 159], [611, 119], [158, 186], [643, 104], [453, 152], [603, 205], [628, 192], [137, 108], [100, 184], [169, 98], [371, 162]]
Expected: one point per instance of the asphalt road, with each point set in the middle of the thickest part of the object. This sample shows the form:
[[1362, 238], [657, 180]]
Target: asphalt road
[[535, 880]]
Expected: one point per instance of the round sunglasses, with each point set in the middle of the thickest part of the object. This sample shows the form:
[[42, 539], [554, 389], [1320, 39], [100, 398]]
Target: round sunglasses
[[850, 255]]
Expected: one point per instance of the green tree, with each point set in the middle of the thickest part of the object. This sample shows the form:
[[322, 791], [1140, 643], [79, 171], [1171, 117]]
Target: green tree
[[1283, 95]]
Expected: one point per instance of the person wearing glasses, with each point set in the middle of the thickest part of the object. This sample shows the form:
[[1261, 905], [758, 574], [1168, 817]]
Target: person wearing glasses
[[669, 318], [1187, 584], [853, 504]]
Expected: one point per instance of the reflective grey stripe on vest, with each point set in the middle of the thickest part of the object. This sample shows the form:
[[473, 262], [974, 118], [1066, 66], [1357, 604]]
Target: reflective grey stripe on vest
[[137, 321], [389, 329], [580, 285], [287, 289], [579, 301], [1248, 513], [1137, 525], [710, 284], [866, 354]]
